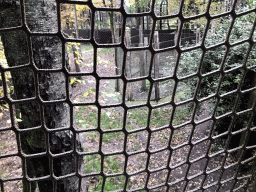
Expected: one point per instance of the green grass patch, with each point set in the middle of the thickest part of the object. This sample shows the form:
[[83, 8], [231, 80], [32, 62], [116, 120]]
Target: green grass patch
[[112, 184], [110, 137], [93, 135], [136, 118], [86, 116], [92, 163], [111, 165], [86, 47], [111, 119], [105, 50], [160, 117], [182, 114]]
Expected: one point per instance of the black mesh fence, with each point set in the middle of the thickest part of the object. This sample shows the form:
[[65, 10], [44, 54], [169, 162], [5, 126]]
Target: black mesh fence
[[85, 106]]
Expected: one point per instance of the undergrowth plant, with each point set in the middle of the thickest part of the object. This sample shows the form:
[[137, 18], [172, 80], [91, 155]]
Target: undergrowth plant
[[213, 65], [213, 59]]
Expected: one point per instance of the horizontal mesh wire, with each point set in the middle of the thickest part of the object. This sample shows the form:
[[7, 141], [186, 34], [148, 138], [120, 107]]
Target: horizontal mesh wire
[[178, 150]]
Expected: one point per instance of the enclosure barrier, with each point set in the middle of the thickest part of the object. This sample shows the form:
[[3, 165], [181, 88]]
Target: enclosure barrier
[[43, 114]]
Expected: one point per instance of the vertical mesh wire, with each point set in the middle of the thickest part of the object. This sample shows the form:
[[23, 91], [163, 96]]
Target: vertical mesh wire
[[233, 182]]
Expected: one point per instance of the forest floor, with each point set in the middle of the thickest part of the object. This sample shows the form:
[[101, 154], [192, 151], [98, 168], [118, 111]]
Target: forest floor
[[10, 167], [160, 139], [138, 139]]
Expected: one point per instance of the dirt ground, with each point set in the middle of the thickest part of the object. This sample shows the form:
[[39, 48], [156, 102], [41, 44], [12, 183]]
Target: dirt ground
[[179, 156], [183, 151], [10, 166]]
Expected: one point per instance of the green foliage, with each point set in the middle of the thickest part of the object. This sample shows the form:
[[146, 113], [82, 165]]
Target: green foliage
[[67, 16], [140, 4], [213, 61]]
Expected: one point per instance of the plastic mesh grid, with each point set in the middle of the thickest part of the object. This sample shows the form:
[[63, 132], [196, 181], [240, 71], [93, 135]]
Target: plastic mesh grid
[[166, 185]]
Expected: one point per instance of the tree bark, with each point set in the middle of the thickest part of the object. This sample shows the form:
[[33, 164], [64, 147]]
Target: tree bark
[[128, 69], [142, 60], [156, 68], [41, 16]]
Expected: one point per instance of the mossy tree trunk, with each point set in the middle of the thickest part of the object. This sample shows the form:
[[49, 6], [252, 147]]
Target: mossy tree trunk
[[41, 16]]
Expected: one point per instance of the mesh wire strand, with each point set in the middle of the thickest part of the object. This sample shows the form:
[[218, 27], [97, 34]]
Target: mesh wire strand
[[186, 179]]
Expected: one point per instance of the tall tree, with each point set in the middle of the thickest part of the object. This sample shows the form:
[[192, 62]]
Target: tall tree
[[41, 16], [115, 36]]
